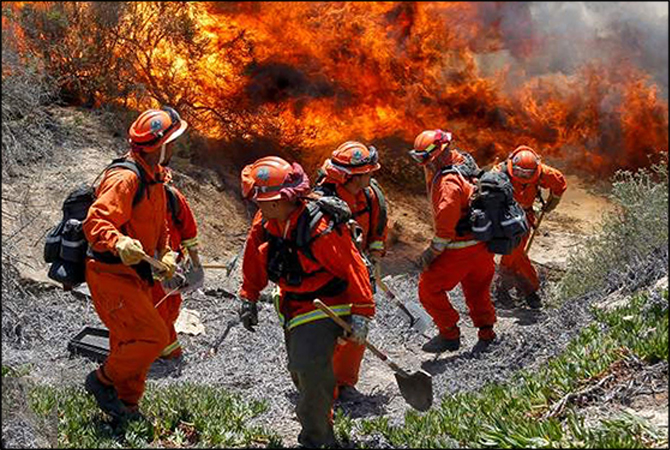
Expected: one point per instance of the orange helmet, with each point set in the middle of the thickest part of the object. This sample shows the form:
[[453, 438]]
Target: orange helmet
[[523, 165], [429, 144], [272, 178], [155, 127], [351, 158]]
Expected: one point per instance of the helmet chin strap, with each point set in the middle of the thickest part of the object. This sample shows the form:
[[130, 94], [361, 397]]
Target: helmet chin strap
[[161, 160]]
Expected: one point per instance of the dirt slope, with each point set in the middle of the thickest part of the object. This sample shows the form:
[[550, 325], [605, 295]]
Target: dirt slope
[[36, 330]]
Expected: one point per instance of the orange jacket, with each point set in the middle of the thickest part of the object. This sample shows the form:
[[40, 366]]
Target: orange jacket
[[113, 214], [450, 197], [368, 220], [336, 254], [525, 194]]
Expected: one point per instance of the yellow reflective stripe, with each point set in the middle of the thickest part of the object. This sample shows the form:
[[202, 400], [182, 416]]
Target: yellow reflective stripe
[[276, 296], [190, 242], [462, 244], [340, 310], [170, 348], [376, 245]]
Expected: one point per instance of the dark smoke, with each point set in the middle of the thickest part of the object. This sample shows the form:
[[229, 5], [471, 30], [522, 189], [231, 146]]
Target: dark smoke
[[560, 37]]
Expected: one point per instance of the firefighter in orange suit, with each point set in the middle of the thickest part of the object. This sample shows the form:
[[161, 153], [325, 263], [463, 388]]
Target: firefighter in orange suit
[[183, 234], [347, 174], [302, 250], [119, 235], [451, 257], [528, 175]]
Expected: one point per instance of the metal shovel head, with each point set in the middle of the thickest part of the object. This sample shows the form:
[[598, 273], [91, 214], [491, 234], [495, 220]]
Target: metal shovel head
[[421, 320], [416, 389]]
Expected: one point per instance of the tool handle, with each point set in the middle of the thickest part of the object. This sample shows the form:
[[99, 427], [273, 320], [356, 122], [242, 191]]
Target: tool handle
[[154, 262], [534, 232], [215, 266], [393, 297], [341, 322]]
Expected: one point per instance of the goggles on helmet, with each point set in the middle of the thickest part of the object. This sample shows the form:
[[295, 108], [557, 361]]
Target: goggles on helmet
[[370, 160], [421, 156]]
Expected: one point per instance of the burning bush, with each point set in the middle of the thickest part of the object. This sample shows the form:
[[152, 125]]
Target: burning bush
[[307, 76]]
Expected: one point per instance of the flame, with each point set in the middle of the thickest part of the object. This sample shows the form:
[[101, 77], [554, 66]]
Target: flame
[[307, 76]]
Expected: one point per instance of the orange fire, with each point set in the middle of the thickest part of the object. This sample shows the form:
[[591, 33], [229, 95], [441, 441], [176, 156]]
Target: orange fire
[[307, 76]]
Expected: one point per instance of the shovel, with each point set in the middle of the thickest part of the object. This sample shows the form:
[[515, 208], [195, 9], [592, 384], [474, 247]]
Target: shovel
[[416, 388], [419, 320]]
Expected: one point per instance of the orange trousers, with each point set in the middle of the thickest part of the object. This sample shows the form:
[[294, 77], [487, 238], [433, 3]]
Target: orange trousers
[[474, 268], [169, 312], [137, 333], [347, 363], [516, 269]]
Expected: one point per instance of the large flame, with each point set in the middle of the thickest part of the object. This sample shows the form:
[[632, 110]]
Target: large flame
[[307, 76]]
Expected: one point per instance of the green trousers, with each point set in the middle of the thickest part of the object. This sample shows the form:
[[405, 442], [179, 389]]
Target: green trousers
[[310, 350]]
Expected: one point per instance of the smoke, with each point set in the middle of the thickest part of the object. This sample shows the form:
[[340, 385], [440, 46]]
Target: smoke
[[561, 37]]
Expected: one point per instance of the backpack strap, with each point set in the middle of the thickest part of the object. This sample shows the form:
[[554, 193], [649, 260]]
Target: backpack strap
[[383, 212], [137, 170], [172, 204]]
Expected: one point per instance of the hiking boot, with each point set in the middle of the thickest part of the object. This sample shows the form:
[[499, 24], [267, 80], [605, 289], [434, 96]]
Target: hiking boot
[[132, 411], [440, 344], [105, 396], [486, 337], [346, 393], [533, 301], [503, 299]]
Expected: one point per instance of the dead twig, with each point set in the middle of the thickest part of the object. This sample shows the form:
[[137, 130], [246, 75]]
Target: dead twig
[[558, 407]]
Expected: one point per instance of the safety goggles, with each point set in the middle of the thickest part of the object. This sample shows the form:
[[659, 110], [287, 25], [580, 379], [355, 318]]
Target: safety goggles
[[421, 156], [524, 174]]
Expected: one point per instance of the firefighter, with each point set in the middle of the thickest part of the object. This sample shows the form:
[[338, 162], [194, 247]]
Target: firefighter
[[347, 174], [183, 235], [528, 175], [452, 256], [119, 235], [308, 255]]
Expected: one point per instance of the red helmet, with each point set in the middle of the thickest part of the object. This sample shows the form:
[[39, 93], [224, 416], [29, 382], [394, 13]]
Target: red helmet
[[155, 127], [351, 158], [429, 144], [272, 178], [523, 165]]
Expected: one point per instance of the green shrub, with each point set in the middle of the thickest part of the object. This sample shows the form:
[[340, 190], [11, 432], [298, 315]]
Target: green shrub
[[631, 247]]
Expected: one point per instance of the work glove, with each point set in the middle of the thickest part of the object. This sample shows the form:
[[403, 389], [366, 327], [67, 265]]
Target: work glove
[[359, 329], [130, 250], [195, 278], [169, 259], [426, 258], [552, 203], [249, 314]]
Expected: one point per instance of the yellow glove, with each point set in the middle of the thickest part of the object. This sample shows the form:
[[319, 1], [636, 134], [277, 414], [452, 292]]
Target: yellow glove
[[130, 250], [170, 261]]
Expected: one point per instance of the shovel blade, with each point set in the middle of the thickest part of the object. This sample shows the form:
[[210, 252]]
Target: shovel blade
[[421, 320], [416, 389]]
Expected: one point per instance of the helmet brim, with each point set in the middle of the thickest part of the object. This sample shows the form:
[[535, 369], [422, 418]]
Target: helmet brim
[[178, 132]]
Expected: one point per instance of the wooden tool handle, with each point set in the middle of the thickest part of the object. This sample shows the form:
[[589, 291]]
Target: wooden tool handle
[[154, 262], [341, 322], [534, 232], [215, 266]]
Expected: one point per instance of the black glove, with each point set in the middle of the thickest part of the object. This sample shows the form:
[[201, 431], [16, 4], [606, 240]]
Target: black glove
[[249, 314], [552, 203]]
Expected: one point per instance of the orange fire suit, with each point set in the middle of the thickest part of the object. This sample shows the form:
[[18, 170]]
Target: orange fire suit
[[463, 260], [183, 234], [122, 298], [349, 355], [336, 258], [516, 268]]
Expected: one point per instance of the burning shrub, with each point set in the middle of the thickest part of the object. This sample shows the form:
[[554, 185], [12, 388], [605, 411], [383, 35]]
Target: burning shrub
[[631, 249]]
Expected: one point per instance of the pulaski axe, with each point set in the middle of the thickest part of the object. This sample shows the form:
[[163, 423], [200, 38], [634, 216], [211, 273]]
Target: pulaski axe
[[419, 320], [416, 388]]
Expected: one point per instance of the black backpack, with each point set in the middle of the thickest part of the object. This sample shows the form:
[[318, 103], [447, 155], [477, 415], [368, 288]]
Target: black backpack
[[493, 216], [66, 246]]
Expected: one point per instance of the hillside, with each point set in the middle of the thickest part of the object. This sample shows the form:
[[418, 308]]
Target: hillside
[[36, 328]]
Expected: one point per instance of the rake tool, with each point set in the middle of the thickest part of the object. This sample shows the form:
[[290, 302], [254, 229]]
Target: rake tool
[[416, 388]]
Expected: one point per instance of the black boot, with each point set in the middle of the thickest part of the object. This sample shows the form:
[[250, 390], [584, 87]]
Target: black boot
[[440, 344], [503, 299], [105, 396], [533, 301]]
